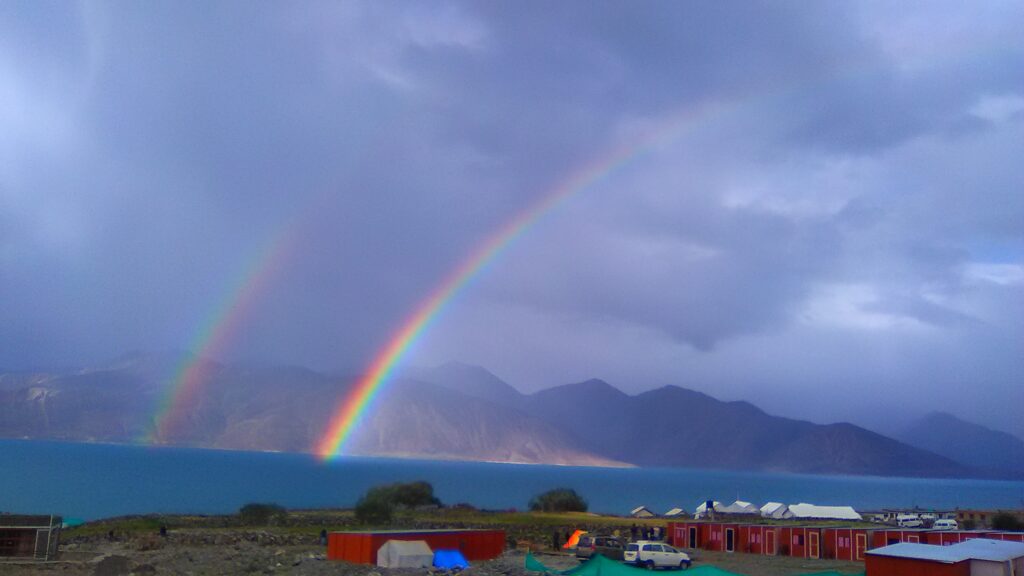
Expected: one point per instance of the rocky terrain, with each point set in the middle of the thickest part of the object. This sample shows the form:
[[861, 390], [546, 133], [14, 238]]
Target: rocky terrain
[[198, 554]]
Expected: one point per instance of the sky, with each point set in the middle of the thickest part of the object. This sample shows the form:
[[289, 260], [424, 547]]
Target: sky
[[821, 209]]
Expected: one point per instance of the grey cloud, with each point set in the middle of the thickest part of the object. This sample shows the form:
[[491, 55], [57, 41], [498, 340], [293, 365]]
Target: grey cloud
[[151, 152]]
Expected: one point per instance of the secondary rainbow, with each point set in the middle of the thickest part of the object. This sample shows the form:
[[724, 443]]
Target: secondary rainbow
[[360, 398], [218, 332]]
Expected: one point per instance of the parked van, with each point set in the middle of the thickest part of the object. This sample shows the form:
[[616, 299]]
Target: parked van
[[909, 521], [945, 524]]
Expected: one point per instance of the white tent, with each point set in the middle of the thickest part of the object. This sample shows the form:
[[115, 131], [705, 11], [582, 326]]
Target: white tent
[[702, 510], [739, 507], [405, 554], [809, 511], [641, 512], [675, 512], [776, 510]]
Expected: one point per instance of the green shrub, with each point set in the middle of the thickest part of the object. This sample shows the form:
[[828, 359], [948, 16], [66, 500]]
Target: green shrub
[[374, 509], [405, 495], [558, 500], [1005, 521], [379, 503], [260, 514]]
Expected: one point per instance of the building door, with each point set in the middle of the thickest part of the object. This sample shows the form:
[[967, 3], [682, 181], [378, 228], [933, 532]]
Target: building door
[[693, 536], [812, 544], [913, 538], [729, 540], [769, 542], [862, 543]]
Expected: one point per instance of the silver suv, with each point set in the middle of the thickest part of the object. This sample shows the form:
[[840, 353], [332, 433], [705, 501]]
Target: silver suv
[[653, 555], [607, 546]]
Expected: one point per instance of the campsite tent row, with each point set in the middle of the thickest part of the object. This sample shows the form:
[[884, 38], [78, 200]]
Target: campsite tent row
[[780, 511], [645, 512], [835, 542]]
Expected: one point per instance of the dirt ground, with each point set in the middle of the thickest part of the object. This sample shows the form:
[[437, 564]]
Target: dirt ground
[[121, 559], [754, 564], [747, 564]]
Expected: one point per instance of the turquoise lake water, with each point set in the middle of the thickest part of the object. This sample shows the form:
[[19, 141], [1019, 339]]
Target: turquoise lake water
[[95, 481]]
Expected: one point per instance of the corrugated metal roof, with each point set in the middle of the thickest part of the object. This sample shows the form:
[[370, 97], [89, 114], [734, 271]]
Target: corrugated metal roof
[[975, 549], [28, 521], [988, 549]]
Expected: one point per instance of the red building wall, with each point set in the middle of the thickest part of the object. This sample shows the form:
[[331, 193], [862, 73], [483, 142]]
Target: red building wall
[[844, 543], [886, 566], [881, 538], [751, 539], [793, 541], [361, 547]]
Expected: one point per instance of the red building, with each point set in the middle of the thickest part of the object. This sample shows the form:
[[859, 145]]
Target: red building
[[759, 539], [832, 542], [845, 543], [800, 541], [722, 537], [976, 557], [1009, 536], [361, 547], [886, 536], [689, 534]]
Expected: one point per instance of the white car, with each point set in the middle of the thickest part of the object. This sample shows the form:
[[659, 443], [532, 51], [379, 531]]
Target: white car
[[945, 524], [909, 521], [653, 555]]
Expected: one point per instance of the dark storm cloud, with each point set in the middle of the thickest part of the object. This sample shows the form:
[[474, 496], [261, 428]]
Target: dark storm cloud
[[851, 194]]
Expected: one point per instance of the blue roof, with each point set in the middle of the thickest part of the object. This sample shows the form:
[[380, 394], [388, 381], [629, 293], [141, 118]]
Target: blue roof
[[975, 549]]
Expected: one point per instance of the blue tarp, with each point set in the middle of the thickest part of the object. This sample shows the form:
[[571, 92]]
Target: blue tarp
[[450, 560]]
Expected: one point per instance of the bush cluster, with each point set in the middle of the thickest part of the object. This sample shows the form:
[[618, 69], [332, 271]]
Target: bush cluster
[[558, 500], [378, 505], [1006, 521], [261, 514]]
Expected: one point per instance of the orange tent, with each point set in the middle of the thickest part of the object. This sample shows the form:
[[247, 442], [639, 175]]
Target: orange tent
[[574, 539]]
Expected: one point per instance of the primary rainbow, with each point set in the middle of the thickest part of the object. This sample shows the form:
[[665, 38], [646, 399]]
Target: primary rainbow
[[213, 338], [359, 399]]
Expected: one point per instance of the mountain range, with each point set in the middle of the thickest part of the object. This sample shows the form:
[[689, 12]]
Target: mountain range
[[456, 411]]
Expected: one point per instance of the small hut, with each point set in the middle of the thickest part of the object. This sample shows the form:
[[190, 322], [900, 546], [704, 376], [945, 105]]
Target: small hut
[[24, 537]]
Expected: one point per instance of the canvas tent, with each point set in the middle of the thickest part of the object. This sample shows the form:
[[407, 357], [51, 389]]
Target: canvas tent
[[702, 510], [675, 513], [776, 511], [810, 511], [405, 554], [450, 560], [641, 512], [739, 507]]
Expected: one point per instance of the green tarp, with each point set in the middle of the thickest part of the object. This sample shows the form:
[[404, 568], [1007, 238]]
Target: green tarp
[[709, 571], [829, 573], [601, 566]]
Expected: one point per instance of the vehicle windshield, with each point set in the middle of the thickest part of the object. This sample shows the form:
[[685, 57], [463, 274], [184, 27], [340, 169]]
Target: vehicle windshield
[[632, 548]]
